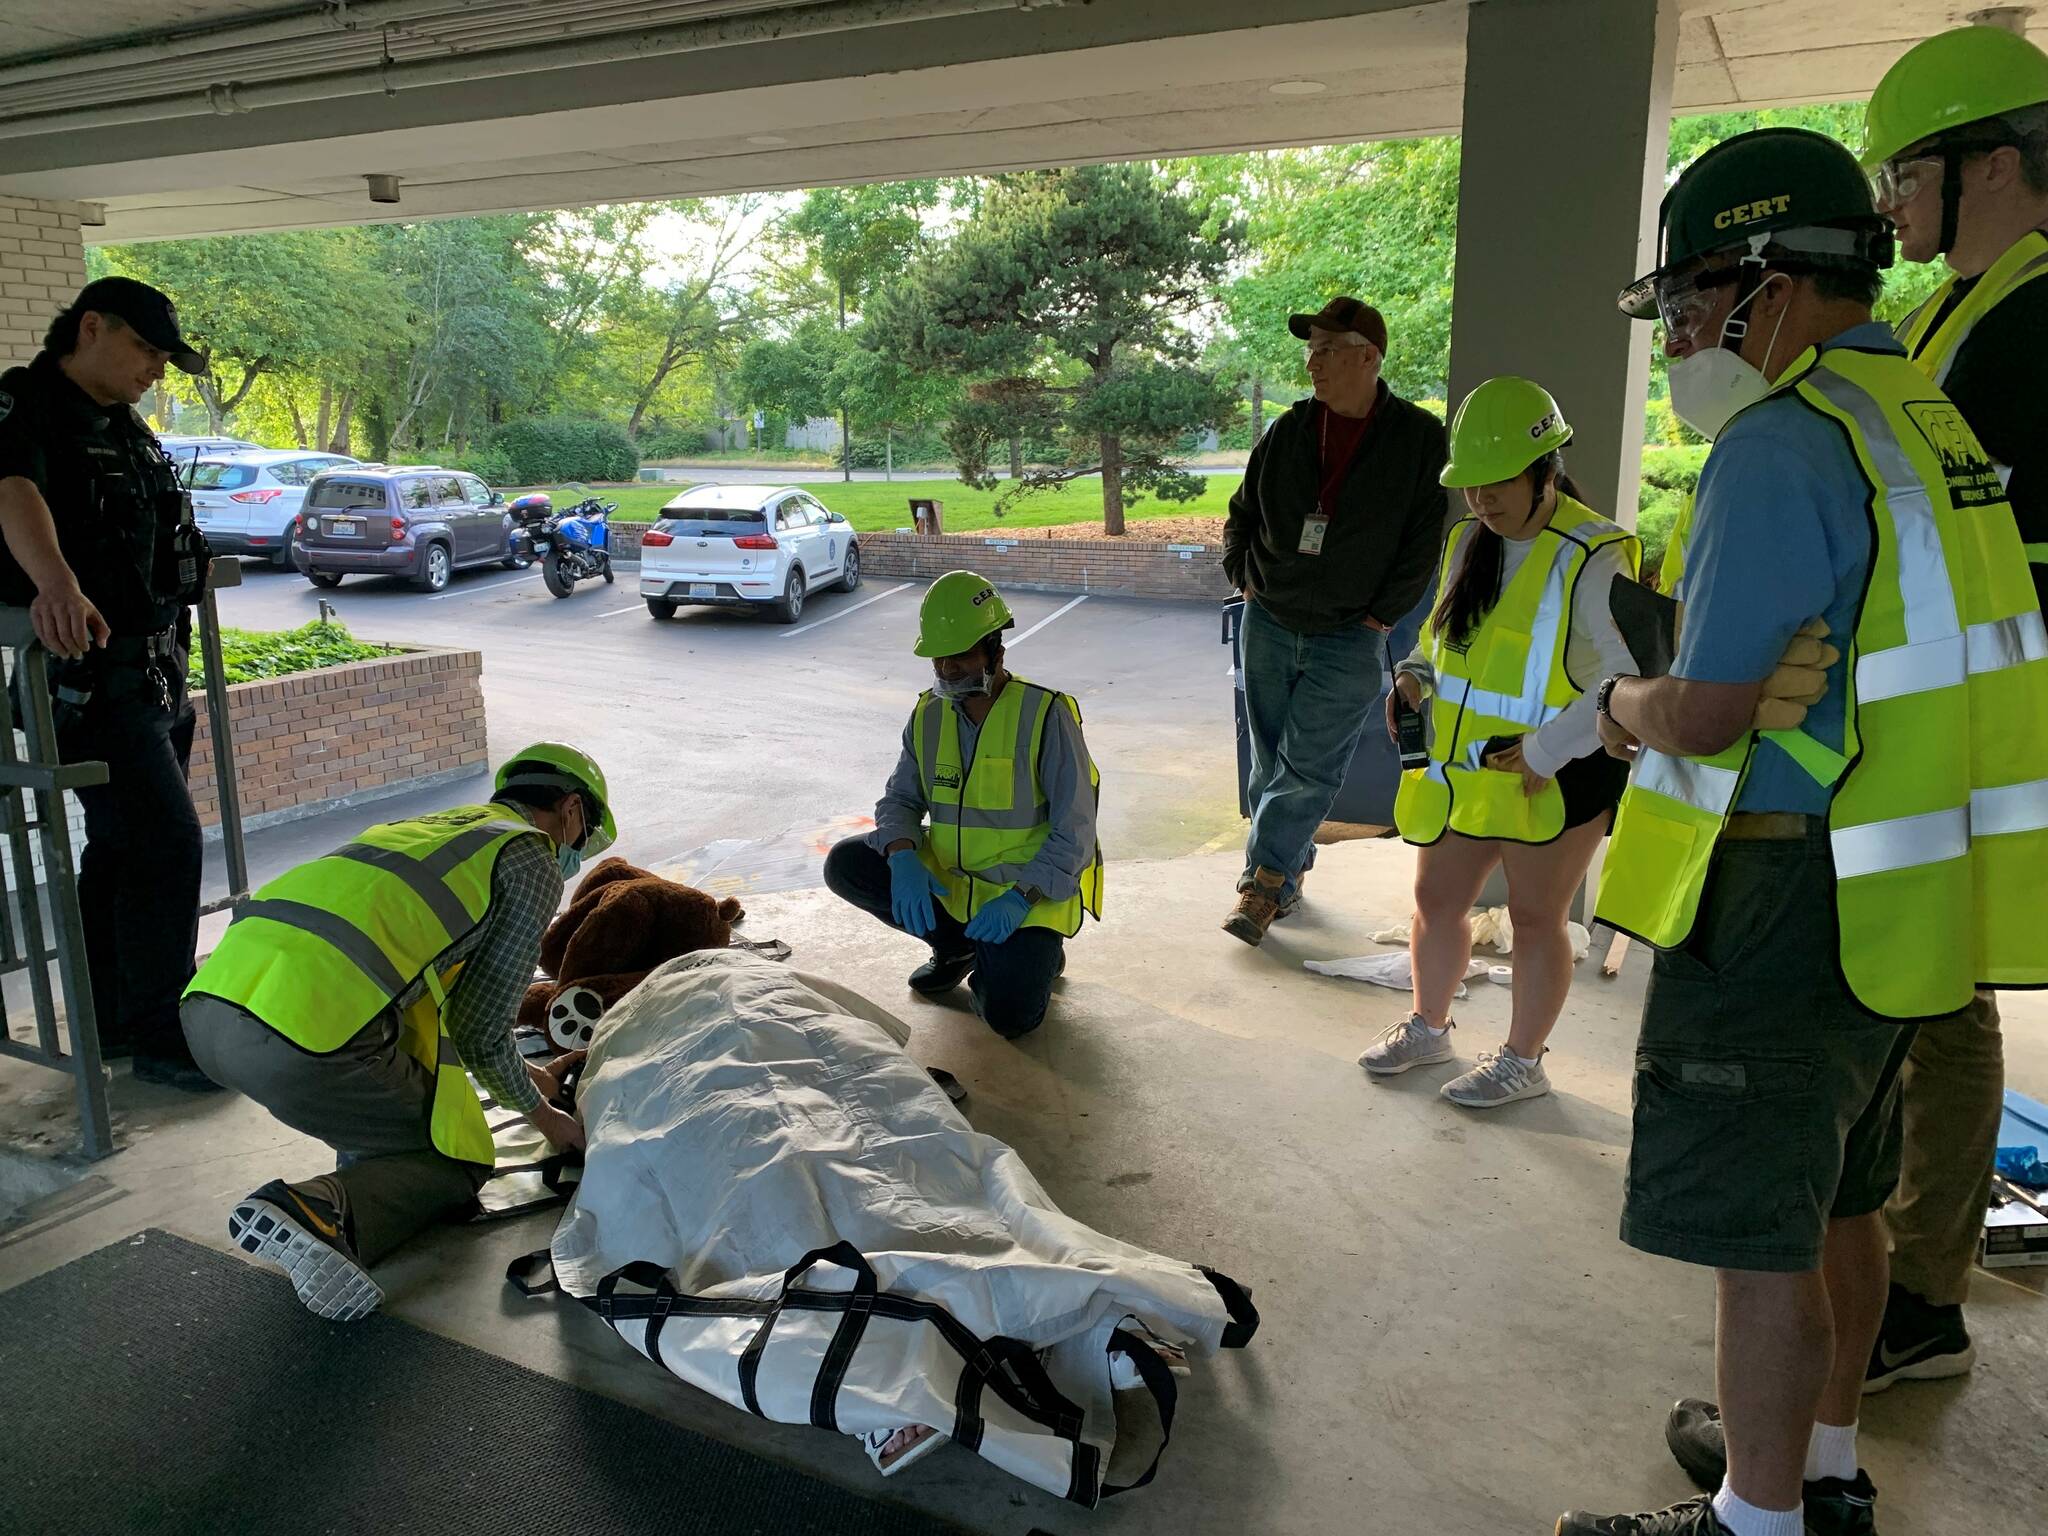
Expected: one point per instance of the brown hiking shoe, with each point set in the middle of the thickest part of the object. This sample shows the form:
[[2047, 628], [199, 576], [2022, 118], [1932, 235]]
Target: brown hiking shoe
[[1257, 907]]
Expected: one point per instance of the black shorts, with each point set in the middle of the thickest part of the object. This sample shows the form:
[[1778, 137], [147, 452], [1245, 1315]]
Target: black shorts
[[1766, 1096], [1591, 787]]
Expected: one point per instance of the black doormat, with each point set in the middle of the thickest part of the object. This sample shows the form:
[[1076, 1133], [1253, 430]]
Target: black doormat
[[158, 1386]]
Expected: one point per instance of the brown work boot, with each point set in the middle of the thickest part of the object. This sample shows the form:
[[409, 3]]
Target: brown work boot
[[1257, 906]]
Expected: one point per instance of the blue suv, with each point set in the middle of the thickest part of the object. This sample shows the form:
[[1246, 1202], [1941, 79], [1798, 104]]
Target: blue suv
[[417, 521]]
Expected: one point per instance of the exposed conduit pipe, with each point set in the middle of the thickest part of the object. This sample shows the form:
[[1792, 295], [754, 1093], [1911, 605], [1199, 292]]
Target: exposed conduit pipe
[[731, 31]]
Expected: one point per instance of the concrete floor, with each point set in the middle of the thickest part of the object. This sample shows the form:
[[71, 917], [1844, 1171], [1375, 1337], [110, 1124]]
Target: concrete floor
[[1454, 1340]]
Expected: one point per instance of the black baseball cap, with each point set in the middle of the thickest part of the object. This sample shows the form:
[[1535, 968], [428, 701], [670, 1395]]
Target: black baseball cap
[[147, 311], [1344, 314]]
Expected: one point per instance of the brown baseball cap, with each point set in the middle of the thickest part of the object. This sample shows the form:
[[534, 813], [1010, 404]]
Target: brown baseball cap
[[1344, 314]]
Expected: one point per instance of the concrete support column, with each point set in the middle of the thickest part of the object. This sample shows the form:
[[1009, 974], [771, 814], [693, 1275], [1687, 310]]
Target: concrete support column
[[42, 267], [1567, 124]]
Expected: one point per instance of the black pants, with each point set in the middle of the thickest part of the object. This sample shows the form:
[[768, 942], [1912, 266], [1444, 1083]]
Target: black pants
[[1012, 981], [138, 879]]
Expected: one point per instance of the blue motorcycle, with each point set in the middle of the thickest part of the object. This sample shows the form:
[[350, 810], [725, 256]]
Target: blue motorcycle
[[575, 545]]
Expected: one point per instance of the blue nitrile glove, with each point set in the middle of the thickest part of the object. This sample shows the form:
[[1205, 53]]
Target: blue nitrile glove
[[910, 893], [994, 923]]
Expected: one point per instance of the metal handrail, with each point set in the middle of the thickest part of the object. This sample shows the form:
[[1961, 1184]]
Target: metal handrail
[[44, 777]]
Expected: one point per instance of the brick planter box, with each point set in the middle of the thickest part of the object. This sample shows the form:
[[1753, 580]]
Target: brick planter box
[[358, 731], [1125, 567]]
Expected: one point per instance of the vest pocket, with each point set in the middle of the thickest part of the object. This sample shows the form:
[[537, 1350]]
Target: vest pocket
[[1506, 660], [992, 783]]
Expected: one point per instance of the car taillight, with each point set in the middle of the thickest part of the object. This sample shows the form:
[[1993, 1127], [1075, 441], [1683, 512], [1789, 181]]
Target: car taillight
[[654, 538], [755, 541], [261, 498], [398, 527]]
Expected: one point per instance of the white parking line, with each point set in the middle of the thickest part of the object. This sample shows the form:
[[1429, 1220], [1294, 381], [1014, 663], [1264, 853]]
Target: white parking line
[[471, 591], [640, 607], [1034, 629], [804, 629]]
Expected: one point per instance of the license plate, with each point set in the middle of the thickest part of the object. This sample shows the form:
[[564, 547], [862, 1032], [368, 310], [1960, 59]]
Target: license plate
[[703, 589], [541, 546], [345, 527]]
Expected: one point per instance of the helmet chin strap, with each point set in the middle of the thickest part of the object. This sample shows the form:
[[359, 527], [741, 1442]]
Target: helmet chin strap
[[1951, 199], [1753, 278]]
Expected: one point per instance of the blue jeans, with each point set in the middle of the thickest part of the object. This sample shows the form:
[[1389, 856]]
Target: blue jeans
[[1306, 699]]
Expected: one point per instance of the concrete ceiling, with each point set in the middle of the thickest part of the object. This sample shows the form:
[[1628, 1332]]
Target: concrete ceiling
[[472, 128]]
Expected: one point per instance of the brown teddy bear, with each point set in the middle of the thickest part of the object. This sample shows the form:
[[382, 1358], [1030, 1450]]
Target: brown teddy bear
[[623, 923]]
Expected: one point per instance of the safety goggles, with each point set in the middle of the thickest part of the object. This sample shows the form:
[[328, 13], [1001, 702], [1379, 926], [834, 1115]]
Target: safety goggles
[[1903, 177], [1684, 300]]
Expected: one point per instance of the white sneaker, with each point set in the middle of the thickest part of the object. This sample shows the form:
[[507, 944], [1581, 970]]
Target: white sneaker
[[1411, 1043], [1500, 1078]]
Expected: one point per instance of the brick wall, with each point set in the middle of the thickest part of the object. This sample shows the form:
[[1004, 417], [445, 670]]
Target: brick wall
[[350, 730], [1129, 567], [42, 267]]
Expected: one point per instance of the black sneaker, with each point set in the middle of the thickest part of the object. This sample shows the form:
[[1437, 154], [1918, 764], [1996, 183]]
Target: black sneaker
[[174, 1069], [941, 973], [1918, 1342], [1694, 1517], [1834, 1506], [302, 1235]]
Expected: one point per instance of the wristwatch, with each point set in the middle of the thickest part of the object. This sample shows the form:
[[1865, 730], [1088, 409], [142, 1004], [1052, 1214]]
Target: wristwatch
[[1031, 893], [1605, 696]]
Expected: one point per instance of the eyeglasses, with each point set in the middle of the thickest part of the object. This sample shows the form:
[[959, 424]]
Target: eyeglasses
[[1898, 182], [1685, 301]]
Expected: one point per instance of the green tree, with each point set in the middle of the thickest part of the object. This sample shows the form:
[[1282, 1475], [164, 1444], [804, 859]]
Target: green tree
[[1065, 302]]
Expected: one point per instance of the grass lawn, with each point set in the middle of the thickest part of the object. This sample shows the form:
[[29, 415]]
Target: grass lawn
[[878, 507]]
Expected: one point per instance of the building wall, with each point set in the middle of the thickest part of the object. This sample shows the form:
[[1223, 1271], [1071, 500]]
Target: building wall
[[1126, 567], [42, 267]]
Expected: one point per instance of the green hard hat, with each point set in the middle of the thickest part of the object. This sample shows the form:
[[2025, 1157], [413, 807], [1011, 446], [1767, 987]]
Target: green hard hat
[[958, 613], [1504, 426], [1950, 81], [1799, 187], [557, 765]]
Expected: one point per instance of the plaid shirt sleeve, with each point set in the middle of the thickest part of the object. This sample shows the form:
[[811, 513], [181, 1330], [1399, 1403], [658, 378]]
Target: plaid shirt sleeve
[[526, 888]]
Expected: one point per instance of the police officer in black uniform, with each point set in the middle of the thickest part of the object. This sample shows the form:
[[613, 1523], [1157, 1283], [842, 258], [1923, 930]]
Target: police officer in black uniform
[[99, 547]]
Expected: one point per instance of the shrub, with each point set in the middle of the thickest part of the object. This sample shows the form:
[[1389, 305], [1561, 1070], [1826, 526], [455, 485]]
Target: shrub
[[666, 440], [549, 450], [249, 654], [492, 465]]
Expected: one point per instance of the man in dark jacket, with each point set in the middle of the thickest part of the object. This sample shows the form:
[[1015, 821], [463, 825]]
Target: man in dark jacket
[[1332, 539]]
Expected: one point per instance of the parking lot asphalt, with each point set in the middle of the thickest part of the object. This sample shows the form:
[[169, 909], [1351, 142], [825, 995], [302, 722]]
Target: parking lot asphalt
[[738, 748]]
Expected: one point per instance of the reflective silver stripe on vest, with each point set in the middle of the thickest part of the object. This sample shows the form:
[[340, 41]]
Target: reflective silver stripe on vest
[[355, 946], [1989, 647], [1930, 601], [457, 851], [2009, 808], [1703, 786], [431, 889], [2032, 269], [1526, 708], [1906, 842], [1026, 810]]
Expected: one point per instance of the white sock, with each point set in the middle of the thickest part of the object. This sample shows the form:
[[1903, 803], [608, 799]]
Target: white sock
[[1744, 1519], [1831, 1452], [1439, 1033], [1527, 1061]]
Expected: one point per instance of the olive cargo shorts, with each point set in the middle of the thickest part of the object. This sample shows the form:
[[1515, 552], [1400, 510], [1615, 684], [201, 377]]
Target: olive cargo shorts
[[1766, 1096]]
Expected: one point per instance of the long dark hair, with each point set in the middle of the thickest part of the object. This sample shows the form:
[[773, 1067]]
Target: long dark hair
[[1471, 594]]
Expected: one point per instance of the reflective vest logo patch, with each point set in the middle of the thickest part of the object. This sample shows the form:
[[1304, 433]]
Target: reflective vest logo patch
[[1972, 481]]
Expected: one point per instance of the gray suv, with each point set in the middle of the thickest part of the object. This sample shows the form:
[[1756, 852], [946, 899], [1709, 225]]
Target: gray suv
[[418, 521]]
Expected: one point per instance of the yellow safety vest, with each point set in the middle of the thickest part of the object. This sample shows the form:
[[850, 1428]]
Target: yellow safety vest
[[1673, 566], [1934, 347], [989, 816], [1938, 819], [1508, 680], [325, 948]]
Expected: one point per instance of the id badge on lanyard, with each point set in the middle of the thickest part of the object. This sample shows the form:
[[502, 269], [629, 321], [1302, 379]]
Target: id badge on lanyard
[[1316, 526]]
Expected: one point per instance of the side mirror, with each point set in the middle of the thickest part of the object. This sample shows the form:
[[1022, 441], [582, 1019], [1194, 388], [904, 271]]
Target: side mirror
[[497, 498]]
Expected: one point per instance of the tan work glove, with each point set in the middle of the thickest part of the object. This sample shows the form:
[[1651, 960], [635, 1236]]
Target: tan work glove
[[1798, 682]]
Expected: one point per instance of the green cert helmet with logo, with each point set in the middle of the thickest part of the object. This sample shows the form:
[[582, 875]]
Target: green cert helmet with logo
[[1790, 188], [1504, 426], [557, 765], [1950, 81], [959, 612]]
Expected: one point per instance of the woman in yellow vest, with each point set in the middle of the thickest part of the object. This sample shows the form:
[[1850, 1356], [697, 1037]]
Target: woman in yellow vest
[[1521, 630]]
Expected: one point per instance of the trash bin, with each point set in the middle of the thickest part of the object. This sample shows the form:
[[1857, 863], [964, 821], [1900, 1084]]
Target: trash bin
[[1366, 796]]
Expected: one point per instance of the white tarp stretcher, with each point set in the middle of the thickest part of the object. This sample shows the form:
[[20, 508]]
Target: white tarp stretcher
[[779, 1206]]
